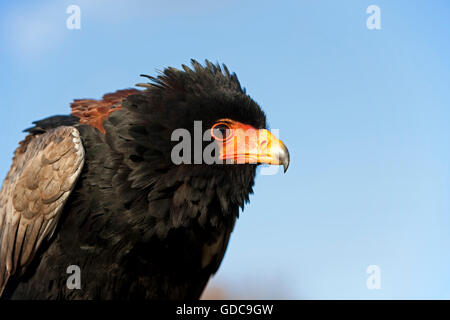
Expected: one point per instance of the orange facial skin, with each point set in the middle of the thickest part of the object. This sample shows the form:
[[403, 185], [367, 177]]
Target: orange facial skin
[[242, 144]]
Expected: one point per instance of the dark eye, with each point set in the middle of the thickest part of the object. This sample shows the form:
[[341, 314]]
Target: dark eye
[[221, 131]]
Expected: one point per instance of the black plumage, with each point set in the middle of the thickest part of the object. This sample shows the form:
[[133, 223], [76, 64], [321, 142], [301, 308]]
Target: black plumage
[[138, 226]]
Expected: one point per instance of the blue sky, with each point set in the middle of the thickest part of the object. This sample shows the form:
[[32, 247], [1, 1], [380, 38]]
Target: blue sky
[[364, 113]]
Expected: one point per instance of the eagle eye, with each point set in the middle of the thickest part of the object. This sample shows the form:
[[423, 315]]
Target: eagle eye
[[221, 131]]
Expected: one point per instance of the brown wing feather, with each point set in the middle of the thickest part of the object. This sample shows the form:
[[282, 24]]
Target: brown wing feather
[[94, 112], [43, 174]]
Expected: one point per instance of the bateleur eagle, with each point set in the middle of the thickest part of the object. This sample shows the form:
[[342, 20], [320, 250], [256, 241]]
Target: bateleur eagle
[[99, 190]]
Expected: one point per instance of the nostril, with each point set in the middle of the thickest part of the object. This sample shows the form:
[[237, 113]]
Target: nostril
[[263, 144]]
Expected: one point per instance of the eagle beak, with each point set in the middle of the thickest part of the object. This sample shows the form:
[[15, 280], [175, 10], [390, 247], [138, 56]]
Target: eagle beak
[[270, 150], [281, 153], [248, 145]]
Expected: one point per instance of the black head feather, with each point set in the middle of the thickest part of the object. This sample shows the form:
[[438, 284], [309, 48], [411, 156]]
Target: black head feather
[[205, 93]]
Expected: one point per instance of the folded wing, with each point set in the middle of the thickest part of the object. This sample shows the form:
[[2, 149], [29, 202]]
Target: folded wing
[[43, 174]]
